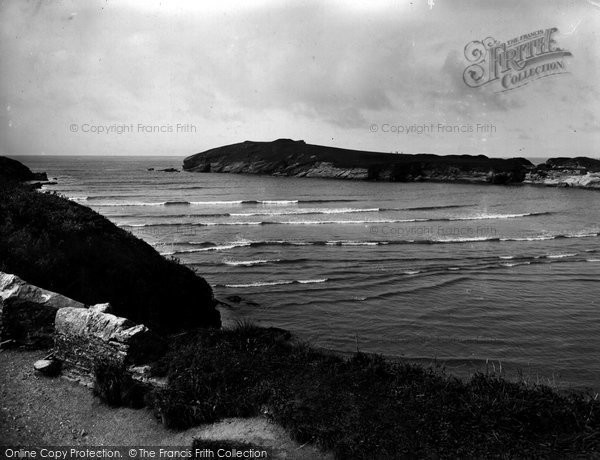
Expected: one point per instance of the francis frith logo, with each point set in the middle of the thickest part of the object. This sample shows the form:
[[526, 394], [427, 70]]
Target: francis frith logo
[[516, 62]]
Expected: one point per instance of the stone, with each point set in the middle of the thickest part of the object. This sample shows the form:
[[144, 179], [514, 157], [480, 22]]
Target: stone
[[85, 337], [50, 367], [27, 312]]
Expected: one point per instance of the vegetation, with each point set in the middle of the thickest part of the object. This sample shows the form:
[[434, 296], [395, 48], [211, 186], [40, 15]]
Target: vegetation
[[115, 386], [12, 170], [365, 406], [360, 407], [59, 245]]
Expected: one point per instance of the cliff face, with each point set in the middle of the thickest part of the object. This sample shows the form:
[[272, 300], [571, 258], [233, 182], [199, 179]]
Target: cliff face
[[65, 247], [285, 157], [579, 172]]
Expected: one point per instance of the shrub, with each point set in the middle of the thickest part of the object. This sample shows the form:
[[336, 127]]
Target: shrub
[[366, 406], [115, 386], [62, 246]]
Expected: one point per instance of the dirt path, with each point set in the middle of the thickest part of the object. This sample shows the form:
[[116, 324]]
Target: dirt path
[[37, 410]]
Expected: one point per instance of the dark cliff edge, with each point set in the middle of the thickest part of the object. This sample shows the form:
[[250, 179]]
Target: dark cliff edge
[[68, 248], [285, 157], [14, 171]]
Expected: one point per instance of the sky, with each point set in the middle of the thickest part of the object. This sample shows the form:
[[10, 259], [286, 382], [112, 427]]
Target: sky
[[105, 77]]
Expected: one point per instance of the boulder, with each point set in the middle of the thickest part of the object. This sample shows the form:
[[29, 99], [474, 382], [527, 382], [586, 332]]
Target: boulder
[[49, 367], [85, 337], [27, 312]]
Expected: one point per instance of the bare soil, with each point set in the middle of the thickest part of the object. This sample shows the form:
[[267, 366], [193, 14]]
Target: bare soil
[[36, 410]]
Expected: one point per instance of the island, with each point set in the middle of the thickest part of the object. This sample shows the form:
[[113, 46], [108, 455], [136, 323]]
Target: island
[[286, 157]]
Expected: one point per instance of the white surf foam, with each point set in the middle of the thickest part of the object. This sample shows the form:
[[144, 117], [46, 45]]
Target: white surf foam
[[291, 212], [250, 263], [275, 283], [560, 256]]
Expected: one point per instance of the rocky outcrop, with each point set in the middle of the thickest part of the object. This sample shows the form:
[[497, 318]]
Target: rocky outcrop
[[27, 312], [285, 157], [13, 170], [85, 337], [581, 172]]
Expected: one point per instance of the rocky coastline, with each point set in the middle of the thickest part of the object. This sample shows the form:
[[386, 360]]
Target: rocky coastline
[[170, 354], [579, 172], [286, 157]]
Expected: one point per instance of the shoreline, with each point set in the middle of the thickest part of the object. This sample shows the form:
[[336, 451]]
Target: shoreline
[[524, 183]]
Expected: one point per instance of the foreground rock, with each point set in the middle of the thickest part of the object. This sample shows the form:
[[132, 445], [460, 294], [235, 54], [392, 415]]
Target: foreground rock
[[580, 172], [49, 367], [27, 312], [285, 157], [87, 337]]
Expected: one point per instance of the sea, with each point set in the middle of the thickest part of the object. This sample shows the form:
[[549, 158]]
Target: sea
[[471, 278]]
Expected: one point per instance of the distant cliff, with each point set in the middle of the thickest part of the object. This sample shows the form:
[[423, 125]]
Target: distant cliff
[[579, 172], [285, 157]]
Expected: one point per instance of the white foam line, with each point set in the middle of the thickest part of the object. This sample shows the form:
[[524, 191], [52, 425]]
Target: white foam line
[[275, 283], [492, 216], [249, 263], [305, 211]]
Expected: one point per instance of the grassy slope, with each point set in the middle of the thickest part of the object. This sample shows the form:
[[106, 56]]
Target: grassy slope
[[60, 245], [366, 407]]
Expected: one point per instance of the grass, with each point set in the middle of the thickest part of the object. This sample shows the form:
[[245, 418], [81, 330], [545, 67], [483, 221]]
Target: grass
[[115, 386], [365, 406], [59, 245]]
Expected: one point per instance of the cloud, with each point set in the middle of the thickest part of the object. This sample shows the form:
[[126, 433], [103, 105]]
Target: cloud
[[276, 69]]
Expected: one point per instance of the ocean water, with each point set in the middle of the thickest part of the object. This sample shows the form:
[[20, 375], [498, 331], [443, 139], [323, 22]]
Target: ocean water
[[470, 276]]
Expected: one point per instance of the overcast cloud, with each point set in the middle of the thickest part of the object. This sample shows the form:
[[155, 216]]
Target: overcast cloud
[[322, 71]]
